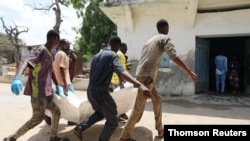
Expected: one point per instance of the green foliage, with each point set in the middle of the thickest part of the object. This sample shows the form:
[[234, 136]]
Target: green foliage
[[79, 5], [96, 28]]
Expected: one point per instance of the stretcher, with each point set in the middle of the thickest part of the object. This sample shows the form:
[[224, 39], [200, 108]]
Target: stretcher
[[76, 110]]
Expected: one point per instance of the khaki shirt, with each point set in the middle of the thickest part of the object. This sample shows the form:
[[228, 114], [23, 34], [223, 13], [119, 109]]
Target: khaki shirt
[[151, 55], [61, 61]]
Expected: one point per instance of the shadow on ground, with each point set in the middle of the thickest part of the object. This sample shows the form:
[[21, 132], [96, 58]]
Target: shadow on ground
[[140, 133]]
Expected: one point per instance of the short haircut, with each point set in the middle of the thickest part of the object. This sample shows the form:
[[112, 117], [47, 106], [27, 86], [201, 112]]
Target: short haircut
[[123, 47], [63, 41], [52, 34], [114, 39], [161, 23]]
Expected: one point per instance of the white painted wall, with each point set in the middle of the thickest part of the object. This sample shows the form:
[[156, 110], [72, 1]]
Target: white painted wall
[[145, 16], [223, 23], [233, 23]]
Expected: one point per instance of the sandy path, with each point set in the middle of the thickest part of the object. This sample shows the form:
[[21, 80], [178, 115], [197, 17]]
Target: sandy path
[[16, 110]]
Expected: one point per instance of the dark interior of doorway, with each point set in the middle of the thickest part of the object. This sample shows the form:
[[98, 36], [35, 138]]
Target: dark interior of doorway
[[229, 46]]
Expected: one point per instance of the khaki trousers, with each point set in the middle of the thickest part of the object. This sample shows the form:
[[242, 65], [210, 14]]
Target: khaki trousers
[[140, 105], [38, 106]]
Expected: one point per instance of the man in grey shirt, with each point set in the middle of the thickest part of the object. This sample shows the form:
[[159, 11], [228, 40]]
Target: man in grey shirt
[[146, 73]]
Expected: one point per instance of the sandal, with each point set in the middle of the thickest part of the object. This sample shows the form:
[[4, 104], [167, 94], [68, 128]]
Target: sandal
[[161, 133], [78, 134]]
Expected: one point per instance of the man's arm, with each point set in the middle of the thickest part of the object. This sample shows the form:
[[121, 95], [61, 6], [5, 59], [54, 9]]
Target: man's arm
[[189, 71], [65, 86], [72, 56], [126, 76], [54, 78], [21, 68], [16, 84], [120, 82]]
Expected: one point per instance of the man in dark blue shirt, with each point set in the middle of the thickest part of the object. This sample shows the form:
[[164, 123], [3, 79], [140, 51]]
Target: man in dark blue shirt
[[103, 65]]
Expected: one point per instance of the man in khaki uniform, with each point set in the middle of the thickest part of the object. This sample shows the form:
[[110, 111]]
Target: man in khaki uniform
[[146, 73]]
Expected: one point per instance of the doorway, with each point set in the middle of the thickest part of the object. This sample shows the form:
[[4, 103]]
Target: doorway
[[208, 48]]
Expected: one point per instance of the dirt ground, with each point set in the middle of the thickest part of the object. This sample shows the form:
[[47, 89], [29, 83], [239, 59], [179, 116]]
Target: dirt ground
[[202, 109]]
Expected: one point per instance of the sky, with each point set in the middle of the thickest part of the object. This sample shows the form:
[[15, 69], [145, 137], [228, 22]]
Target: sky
[[39, 22]]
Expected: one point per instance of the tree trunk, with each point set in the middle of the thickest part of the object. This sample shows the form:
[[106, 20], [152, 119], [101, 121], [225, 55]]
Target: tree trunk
[[17, 56]]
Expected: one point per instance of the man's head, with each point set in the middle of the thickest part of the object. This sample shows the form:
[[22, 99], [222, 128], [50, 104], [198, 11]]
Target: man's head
[[162, 26], [53, 38], [64, 45], [103, 45], [115, 43], [123, 48]]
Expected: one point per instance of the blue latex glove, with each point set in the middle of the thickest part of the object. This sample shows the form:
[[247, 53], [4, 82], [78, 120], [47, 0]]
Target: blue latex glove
[[16, 85], [59, 90], [71, 88]]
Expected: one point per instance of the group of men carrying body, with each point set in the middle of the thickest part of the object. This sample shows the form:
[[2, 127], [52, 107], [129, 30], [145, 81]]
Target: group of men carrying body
[[39, 85]]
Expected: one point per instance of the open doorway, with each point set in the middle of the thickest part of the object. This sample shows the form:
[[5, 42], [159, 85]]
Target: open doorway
[[208, 48]]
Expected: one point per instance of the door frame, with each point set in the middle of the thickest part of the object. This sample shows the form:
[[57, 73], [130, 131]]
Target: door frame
[[199, 87]]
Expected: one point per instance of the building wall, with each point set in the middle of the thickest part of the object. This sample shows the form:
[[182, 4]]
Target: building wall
[[174, 81]]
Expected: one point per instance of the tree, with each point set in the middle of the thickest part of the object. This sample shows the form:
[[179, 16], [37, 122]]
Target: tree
[[96, 28], [79, 5], [55, 6], [13, 33], [7, 50]]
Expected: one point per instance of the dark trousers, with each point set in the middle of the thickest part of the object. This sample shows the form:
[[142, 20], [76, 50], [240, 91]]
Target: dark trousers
[[105, 107]]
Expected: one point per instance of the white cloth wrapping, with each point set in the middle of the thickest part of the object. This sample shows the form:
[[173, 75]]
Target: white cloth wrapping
[[77, 110]]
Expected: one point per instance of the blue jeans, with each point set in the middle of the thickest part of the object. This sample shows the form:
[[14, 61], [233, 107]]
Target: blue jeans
[[220, 81]]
